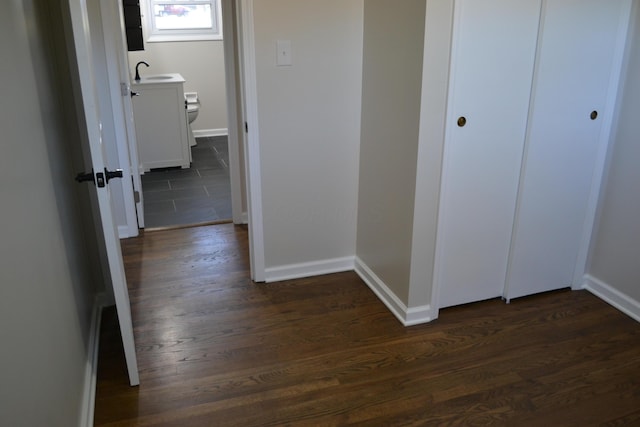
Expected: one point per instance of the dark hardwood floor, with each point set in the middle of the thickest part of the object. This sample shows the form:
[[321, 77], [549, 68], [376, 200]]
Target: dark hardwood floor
[[215, 349]]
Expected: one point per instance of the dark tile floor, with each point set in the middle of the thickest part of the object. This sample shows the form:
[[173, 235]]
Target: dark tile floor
[[200, 194]]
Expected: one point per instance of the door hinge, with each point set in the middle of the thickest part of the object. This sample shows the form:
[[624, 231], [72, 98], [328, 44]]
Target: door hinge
[[136, 196], [246, 127], [124, 89]]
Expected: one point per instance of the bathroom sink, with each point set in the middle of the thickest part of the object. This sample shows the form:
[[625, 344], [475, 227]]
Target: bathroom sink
[[166, 78]]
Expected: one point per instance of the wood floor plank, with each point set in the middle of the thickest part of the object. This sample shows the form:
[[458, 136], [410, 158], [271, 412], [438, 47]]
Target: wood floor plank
[[216, 349]]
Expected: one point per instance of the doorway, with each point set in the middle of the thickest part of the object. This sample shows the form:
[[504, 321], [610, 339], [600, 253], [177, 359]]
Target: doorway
[[241, 102], [201, 192], [88, 43]]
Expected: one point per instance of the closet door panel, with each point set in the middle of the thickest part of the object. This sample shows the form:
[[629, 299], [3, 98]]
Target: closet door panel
[[573, 71], [492, 68]]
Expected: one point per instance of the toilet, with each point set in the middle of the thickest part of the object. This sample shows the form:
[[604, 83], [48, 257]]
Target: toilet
[[193, 108]]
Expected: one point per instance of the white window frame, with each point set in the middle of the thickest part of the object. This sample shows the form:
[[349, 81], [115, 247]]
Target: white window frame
[[173, 35]]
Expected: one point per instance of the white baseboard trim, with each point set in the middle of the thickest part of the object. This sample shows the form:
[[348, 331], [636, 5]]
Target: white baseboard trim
[[406, 316], [91, 368], [612, 296], [419, 315], [202, 133], [308, 269], [245, 217]]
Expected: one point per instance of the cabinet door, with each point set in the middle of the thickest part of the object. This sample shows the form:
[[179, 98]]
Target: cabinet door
[[492, 69], [161, 126], [574, 71]]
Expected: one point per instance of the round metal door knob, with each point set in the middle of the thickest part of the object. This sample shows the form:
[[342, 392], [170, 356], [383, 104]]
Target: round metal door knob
[[462, 121], [594, 115]]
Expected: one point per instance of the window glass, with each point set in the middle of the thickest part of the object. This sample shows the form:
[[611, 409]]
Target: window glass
[[184, 20]]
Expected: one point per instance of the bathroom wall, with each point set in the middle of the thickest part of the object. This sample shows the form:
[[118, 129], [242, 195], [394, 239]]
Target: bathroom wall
[[201, 63]]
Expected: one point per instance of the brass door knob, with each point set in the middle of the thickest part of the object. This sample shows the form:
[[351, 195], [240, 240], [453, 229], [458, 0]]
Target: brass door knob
[[462, 121], [594, 115]]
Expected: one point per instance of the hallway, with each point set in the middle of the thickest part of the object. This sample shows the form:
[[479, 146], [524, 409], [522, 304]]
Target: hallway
[[216, 349]]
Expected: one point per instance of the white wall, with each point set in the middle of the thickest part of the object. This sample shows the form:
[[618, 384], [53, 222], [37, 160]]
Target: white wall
[[615, 253], [309, 127], [201, 63], [47, 282], [405, 91], [435, 88], [392, 79]]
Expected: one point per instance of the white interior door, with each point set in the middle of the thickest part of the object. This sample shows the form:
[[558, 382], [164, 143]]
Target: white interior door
[[493, 55], [119, 79], [575, 71], [81, 36]]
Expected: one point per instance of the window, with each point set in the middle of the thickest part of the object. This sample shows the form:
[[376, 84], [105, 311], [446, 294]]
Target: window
[[184, 20]]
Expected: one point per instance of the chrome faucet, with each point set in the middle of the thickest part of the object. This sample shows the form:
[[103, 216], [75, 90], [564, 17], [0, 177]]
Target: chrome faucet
[[137, 78]]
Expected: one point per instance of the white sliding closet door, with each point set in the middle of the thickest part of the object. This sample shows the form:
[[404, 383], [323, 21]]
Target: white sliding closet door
[[575, 69], [492, 67]]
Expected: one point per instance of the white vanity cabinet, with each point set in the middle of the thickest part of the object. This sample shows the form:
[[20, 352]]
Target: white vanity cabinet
[[161, 122]]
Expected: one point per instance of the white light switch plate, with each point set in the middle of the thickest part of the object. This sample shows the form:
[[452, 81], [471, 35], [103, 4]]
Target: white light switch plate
[[283, 53]]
